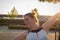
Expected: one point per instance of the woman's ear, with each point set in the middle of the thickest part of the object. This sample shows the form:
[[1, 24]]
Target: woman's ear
[[35, 20]]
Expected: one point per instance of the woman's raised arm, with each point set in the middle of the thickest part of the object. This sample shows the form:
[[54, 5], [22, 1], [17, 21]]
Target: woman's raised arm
[[47, 25]]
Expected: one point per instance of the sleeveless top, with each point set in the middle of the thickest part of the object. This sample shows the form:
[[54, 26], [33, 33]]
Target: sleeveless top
[[40, 35]]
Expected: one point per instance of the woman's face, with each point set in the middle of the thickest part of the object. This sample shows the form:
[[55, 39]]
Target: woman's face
[[30, 22]]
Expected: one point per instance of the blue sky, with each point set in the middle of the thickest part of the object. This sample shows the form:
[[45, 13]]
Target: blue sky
[[25, 6]]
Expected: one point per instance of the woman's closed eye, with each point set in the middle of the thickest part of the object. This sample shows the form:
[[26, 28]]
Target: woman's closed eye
[[27, 20]]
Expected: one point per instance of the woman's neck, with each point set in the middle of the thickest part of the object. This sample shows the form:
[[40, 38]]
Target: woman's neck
[[34, 28]]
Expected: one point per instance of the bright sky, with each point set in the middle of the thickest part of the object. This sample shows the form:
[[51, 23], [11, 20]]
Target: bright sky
[[25, 6]]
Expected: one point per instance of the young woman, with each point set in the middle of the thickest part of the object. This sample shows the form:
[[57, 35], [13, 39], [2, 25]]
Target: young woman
[[35, 31]]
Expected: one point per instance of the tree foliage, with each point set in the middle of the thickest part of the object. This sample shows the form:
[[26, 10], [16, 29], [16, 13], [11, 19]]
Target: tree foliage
[[13, 13]]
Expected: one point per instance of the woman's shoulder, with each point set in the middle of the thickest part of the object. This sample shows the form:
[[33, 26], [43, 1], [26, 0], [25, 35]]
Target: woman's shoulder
[[43, 32]]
